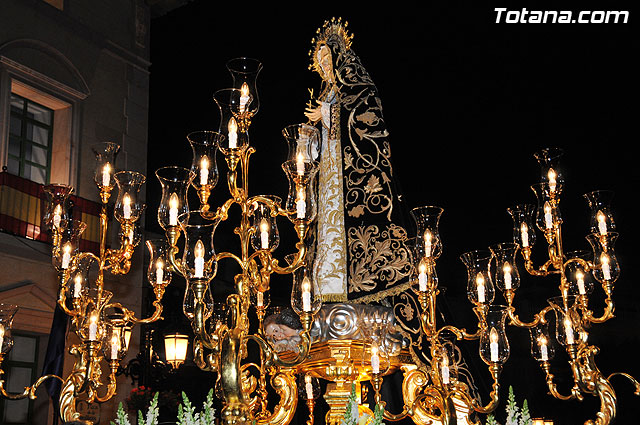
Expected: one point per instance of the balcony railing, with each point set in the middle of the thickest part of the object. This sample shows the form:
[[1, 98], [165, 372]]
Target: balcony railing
[[22, 203]]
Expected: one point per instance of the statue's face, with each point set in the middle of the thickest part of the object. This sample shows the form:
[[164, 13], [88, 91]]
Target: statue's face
[[275, 331], [324, 60]]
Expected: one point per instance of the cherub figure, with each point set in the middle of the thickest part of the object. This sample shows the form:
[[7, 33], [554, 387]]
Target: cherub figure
[[283, 330]]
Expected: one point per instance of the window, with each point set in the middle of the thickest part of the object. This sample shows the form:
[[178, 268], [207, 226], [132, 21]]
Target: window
[[20, 367], [30, 140]]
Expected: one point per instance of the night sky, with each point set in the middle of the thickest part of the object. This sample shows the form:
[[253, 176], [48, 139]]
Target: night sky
[[467, 102]]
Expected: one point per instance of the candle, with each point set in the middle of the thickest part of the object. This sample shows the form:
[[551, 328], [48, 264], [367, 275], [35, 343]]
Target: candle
[[375, 360], [524, 231], [115, 346], [301, 205], [602, 222], [300, 164], [264, 234], [106, 175], [77, 286], [427, 243], [66, 256], [493, 345], [204, 170], [480, 283], [93, 327], [199, 260], [244, 96], [548, 218], [580, 279], [606, 269], [507, 276], [308, 386], [260, 299], [57, 216], [159, 272], [445, 370], [174, 202], [544, 351], [422, 278], [1, 335], [552, 179], [126, 206], [233, 133], [306, 295], [568, 329]]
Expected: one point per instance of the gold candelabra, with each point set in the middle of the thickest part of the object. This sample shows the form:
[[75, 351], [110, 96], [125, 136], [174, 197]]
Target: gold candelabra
[[102, 327], [221, 345]]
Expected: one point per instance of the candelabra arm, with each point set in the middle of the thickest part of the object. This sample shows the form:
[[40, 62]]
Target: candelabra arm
[[299, 259], [529, 266], [495, 369], [28, 391], [284, 383], [607, 314], [553, 390], [515, 320], [207, 363], [633, 380], [111, 386]]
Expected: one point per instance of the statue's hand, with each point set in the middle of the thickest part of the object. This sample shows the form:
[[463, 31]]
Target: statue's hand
[[314, 113]]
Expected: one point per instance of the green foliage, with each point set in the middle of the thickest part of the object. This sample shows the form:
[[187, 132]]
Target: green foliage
[[352, 415], [515, 415], [187, 414]]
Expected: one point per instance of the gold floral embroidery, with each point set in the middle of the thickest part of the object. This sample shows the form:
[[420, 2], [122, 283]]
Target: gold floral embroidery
[[377, 258]]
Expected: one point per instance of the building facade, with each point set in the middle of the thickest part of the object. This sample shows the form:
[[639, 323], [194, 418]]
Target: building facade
[[72, 74]]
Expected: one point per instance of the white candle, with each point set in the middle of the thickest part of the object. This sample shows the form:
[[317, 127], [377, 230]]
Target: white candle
[[1, 336], [174, 202], [115, 346], [544, 352], [57, 216], [264, 234], [66, 256], [77, 286], [548, 218], [233, 134], [126, 206], [106, 175], [552, 179], [159, 272], [481, 292], [300, 164], [375, 360], [244, 96], [602, 223], [568, 329], [204, 170], [308, 386], [260, 299], [422, 279], [606, 269], [301, 205], [93, 327], [580, 279], [507, 276], [427, 243], [445, 370], [199, 260], [306, 295], [524, 231], [493, 345]]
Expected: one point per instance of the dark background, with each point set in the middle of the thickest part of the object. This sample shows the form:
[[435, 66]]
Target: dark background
[[467, 102]]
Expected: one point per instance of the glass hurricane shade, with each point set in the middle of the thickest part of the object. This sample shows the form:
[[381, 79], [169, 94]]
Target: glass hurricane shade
[[480, 288], [505, 273], [303, 141], [494, 345], [233, 124], [428, 243], [523, 221], [66, 250], [244, 72], [128, 206], [159, 270], [56, 214], [175, 183], [601, 221], [204, 145], [7, 313], [265, 234], [105, 154]]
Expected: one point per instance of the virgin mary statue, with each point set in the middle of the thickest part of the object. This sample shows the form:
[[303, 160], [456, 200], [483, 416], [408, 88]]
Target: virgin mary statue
[[362, 254]]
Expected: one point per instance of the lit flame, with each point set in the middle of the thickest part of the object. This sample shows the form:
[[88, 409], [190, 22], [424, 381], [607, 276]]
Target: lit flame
[[264, 225], [174, 202], [233, 126], [199, 249], [493, 335], [244, 90]]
